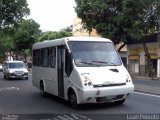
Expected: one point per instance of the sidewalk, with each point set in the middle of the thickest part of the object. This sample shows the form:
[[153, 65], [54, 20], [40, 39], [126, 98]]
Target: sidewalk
[[146, 84]]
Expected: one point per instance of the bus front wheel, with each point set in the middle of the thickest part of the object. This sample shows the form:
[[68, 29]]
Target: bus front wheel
[[120, 102], [73, 100]]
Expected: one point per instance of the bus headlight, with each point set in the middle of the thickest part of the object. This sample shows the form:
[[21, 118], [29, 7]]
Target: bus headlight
[[128, 78], [87, 81]]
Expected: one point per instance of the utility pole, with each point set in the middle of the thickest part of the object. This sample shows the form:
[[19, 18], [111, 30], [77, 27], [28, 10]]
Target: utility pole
[[158, 64]]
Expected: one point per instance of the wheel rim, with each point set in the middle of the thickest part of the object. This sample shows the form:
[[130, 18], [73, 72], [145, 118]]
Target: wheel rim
[[73, 100], [7, 77]]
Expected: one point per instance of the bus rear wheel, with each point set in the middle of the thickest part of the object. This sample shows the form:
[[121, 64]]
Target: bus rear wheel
[[73, 100], [43, 93]]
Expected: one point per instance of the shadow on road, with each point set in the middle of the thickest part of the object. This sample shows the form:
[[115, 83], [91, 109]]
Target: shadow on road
[[89, 106]]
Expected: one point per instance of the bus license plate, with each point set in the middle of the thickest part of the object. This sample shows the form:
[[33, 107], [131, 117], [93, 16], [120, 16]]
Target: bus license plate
[[110, 97]]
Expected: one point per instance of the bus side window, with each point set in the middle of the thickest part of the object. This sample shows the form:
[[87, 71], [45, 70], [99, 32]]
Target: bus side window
[[37, 57], [44, 57], [53, 57], [68, 63]]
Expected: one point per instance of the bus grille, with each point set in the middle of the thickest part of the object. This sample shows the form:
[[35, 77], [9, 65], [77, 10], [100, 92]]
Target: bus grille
[[108, 98], [109, 85]]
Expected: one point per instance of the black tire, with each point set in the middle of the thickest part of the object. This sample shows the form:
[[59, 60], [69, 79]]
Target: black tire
[[73, 100], [26, 78], [43, 93], [7, 77], [120, 102], [4, 76]]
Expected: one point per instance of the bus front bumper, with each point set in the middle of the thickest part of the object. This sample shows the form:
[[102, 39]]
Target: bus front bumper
[[104, 94]]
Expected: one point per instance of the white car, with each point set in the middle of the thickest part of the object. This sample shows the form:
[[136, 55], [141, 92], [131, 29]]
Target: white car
[[15, 69], [1, 68]]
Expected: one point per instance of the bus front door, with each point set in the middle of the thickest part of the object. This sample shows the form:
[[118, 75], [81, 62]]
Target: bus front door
[[60, 70]]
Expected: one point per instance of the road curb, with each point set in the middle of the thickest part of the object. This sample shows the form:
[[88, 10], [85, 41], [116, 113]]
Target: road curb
[[147, 92], [147, 89]]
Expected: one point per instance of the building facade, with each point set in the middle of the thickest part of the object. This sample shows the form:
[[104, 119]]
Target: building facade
[[79, 30], [137, 60]]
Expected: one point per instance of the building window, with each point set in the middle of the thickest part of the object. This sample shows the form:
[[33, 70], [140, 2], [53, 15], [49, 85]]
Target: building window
[[134, 65]]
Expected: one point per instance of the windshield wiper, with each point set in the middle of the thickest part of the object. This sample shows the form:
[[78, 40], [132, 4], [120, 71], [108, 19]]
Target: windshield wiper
[[89, 63], [103, 62]]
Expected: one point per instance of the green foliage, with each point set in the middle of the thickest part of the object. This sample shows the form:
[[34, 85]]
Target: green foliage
[[120, 19], [11, 11], [6, 40], [19, 37], [26, 33], [7, 43], [51, 35], [26, 53]]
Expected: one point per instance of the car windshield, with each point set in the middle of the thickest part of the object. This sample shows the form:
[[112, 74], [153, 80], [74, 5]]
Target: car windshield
[[92, 53], [16, 65]]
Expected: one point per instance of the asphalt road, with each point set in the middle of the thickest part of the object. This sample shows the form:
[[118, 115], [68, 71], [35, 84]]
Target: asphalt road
[[155, 83], [20, 97]]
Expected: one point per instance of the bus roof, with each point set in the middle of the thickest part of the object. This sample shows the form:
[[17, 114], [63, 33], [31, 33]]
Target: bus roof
[[62, 41]]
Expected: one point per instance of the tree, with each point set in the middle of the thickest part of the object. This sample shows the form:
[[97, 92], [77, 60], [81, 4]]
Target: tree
[[26, 33], [121, 20], [11, 11], [26, 53], [51, 35], [19, 37], [68, 29], [6, 37]]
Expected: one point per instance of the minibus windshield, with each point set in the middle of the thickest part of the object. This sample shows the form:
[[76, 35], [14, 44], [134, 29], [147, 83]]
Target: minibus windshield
[[94, 53], [16, 65]]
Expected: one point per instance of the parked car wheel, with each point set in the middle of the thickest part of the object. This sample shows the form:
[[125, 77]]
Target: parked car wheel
[[7, 77], [4, 76]]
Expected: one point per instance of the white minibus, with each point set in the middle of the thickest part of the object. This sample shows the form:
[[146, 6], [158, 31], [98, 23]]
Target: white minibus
[[81, 70]]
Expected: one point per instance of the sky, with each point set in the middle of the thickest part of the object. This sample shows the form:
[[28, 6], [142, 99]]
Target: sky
[[52, 15]]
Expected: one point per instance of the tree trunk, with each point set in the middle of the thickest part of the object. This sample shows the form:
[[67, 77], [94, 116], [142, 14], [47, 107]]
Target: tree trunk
[[119, 49], [89, 32], [16, 53], [11, 55], [149, 61]]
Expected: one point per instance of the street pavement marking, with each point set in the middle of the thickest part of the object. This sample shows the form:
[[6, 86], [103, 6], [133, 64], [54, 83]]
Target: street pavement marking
[[71, 117], [147, 94], [9, 88]]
